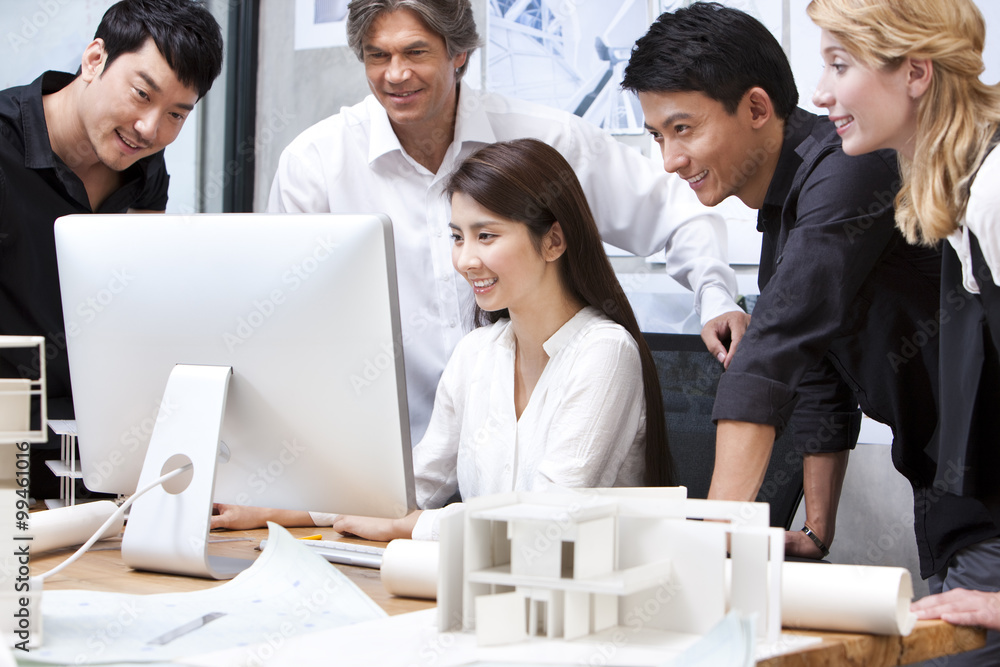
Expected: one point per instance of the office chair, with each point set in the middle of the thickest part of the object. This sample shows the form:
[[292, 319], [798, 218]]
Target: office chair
[[689, 376]]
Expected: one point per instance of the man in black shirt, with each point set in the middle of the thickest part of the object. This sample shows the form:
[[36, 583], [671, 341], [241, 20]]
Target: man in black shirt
[[91, 143], [845, 305]]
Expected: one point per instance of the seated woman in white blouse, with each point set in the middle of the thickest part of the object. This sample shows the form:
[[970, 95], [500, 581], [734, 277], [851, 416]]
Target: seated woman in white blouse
[[552, 387]]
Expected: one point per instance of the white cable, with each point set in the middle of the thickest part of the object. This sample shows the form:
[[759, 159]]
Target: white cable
[[111, 519]]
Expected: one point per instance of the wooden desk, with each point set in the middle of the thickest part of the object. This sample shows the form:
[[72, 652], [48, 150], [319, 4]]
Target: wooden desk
[[104, 570]]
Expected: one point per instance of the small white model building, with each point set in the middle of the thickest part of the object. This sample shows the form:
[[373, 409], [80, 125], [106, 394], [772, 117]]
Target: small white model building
[[577, 563]]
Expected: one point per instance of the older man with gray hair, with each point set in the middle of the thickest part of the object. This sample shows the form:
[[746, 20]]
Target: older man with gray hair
[[393, 152]]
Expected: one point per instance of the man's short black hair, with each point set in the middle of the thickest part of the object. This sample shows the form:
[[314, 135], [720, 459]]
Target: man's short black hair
[[719, 51], [184, 31]]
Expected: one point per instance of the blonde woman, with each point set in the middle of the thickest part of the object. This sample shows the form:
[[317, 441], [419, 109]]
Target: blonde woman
[[904, 74]]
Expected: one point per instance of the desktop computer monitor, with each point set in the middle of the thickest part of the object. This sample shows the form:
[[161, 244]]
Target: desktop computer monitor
[[301, 308]]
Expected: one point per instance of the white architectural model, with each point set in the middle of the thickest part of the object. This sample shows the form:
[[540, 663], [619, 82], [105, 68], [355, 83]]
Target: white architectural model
[[568, 565]]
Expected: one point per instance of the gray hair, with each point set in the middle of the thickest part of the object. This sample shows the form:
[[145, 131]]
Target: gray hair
[[451, 19]]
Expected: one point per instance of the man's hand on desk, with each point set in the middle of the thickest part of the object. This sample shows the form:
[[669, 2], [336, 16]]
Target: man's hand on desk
[[241, 517], [961, 607], [378, 530], [722, 334]]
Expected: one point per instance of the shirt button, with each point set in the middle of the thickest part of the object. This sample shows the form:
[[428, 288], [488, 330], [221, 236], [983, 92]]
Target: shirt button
[[506, 468], [453, 324]]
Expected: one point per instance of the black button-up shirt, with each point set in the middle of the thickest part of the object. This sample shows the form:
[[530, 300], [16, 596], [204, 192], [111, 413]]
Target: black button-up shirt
[[847, 315], [36, 187]]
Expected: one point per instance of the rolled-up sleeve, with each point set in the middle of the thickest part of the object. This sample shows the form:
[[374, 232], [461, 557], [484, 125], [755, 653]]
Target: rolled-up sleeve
[[827, 417], [844, 224]]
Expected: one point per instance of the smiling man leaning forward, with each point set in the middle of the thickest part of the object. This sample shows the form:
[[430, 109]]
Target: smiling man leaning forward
[[840, 289], [91, 143]]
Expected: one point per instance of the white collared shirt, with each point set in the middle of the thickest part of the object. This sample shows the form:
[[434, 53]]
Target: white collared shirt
[[584, 425], [982, 218], [353, 162]]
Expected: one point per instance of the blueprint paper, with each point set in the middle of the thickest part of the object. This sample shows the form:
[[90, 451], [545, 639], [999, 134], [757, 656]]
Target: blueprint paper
[[730, 642], [416, 640], [288, 591]]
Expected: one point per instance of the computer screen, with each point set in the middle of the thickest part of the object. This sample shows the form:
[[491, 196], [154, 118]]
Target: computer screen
[[302, 308]]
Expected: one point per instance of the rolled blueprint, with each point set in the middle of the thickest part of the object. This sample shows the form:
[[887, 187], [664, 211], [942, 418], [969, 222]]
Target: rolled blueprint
[[847, 598], [72, 525], [869, 599], [410, 568]]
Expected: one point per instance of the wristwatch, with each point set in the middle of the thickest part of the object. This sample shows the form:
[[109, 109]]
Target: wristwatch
[[823, 549]]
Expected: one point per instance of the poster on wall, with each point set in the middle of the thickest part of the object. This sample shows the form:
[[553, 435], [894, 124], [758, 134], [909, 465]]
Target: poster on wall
[[320, 24], [569, 55]]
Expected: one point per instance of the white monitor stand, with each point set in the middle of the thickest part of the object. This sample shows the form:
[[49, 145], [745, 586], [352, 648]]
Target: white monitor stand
[[168, 526]]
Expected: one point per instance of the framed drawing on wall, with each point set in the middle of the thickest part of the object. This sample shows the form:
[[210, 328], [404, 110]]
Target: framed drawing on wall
[[569, 55]]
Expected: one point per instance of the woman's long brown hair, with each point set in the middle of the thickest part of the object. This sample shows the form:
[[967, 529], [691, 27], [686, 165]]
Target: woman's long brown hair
[[530, 182]]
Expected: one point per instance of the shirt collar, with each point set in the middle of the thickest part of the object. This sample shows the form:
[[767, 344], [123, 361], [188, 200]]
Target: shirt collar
[[561, 338], [383, 137], [472, 124], [797, 140], [37, 148], [567, 332]]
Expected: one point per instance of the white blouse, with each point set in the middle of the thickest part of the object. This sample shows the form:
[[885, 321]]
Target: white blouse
[[982, 218], [584, 425]]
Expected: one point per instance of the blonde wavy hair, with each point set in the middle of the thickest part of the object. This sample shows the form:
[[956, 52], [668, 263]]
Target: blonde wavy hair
[[955, 117]]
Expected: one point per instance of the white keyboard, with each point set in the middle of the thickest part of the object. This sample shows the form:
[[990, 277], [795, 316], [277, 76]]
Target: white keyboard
[[344, 553]]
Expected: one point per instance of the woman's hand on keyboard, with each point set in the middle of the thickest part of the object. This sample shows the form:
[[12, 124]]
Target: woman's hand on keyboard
[[378, 530]]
